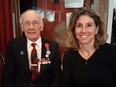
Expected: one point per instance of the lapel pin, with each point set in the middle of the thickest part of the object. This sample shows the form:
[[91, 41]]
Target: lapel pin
[[22, 52]]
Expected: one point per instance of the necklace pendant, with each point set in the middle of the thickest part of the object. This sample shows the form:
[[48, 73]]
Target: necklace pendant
[[86, 62]]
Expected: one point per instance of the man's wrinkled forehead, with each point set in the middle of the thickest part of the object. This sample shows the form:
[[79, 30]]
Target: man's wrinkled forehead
[[31, 14]]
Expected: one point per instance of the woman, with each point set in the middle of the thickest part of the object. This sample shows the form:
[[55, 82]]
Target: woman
[[89, 61]]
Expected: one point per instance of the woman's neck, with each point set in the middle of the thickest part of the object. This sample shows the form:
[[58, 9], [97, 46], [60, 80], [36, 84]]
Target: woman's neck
[[86, 51]]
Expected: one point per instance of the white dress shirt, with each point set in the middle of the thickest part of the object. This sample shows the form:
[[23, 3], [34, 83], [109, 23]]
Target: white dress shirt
[[38, 48]]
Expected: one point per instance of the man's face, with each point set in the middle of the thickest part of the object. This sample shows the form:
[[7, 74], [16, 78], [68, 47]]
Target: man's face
[[32, 25]]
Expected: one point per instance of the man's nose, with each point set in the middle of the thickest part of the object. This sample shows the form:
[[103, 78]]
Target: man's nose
[[31, 25]]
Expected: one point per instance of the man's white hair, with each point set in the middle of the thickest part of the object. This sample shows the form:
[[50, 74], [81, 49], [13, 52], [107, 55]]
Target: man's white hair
[[30, 10]]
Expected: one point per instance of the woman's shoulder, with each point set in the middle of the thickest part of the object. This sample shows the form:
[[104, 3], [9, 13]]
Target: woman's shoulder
[[109, 47], [70, 51]]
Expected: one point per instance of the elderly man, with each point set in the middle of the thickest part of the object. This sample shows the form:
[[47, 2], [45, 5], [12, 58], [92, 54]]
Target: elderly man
[[32, 61]]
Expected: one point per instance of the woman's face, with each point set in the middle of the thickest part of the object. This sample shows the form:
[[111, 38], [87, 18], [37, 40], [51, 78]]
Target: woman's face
[[85, 30]]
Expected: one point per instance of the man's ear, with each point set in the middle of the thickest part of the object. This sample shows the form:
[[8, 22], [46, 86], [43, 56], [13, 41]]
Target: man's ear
[[23, 34], [21, 26], [41, 27]]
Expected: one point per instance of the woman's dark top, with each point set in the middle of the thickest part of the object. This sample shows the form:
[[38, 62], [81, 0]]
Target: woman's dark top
[[98, 71]]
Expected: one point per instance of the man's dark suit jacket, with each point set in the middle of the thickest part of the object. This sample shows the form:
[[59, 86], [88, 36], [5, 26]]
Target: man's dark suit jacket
[[17, 73]]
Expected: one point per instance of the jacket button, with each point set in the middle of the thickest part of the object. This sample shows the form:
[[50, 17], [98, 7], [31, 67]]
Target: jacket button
[[31, 83]]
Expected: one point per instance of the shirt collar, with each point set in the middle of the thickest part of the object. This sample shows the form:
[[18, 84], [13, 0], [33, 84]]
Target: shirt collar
[[38, 42]]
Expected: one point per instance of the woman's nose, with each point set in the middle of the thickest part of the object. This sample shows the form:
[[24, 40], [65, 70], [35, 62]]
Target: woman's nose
[[83, 29]]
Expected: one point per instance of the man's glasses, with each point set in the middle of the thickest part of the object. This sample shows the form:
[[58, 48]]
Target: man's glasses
[[34, 23]]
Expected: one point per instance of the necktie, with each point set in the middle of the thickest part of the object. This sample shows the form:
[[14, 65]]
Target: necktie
[[34, 62]]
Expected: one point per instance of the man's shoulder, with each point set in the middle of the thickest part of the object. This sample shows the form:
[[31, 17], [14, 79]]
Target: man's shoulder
[[44, 40], [17, 40]]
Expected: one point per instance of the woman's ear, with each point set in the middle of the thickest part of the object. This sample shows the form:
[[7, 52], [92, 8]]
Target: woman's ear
[[97, 29]]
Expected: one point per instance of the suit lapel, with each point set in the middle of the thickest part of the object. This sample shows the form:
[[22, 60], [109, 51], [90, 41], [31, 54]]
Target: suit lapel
[[44, 67], [24, 48], [43, 49], [25, 61]]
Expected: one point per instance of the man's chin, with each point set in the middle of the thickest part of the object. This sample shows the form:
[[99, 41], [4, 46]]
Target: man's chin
[[32, 39]]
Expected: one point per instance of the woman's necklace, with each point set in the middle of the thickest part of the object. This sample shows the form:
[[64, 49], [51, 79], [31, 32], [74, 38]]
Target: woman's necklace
[[86, 54]]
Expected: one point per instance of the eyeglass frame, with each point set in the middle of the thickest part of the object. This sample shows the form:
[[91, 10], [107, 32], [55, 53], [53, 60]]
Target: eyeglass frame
[[34, 23]]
